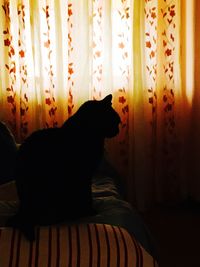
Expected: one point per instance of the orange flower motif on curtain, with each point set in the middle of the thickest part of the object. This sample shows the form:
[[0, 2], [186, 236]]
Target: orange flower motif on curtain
[[24, 98], [49, 71], [97, 49], [70, 82], [122, 73], [16, 66], [161, 35], [151, 47], [10, 65], [169, 50], [170, 138]]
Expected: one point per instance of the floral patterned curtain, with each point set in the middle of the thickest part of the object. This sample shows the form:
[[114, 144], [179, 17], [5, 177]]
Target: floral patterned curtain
[[57, 54]]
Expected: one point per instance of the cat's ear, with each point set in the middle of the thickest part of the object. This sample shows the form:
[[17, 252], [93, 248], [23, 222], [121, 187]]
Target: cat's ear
[[107, 100]]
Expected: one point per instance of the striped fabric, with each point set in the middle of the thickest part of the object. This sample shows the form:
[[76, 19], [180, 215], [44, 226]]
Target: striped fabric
[[81, 245]]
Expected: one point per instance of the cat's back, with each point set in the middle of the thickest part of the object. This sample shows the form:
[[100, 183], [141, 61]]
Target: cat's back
[[40, 142]]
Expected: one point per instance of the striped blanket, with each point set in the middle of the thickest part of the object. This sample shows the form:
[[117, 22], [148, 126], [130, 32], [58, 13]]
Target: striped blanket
[[80, 245]]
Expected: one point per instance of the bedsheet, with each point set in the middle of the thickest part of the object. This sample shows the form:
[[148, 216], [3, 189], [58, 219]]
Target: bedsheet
[[113, 209]]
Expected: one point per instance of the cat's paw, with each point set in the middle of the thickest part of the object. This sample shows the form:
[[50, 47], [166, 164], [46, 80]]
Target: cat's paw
[[21, 224], [29, 232]]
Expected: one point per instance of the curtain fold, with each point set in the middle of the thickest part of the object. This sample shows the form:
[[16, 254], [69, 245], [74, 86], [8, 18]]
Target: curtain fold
[[57, 54], [194, 156]]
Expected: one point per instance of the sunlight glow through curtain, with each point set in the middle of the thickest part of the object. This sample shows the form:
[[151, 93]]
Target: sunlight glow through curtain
[[57, 54]]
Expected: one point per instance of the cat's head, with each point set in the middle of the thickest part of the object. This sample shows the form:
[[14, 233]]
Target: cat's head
[[100, 116]]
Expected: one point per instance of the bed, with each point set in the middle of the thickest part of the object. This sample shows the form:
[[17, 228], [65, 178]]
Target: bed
[[116, 236]]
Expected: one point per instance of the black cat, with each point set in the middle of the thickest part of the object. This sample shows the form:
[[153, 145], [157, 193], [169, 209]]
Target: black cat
[[8, 152], [55, 167]]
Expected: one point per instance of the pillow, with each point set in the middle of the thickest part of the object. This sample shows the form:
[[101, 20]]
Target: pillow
[[8, 151]]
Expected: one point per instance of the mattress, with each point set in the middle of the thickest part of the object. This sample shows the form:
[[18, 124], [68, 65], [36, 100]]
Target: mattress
[[80, 245]]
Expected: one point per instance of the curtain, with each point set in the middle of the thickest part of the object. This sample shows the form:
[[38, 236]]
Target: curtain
[[57, 54]]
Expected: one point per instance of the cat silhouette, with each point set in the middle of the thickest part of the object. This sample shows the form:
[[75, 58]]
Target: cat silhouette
[[55, 167], [8, 152]]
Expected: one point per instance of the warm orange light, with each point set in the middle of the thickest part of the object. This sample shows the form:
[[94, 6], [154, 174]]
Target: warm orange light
[[189, 11], [122, 44]]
